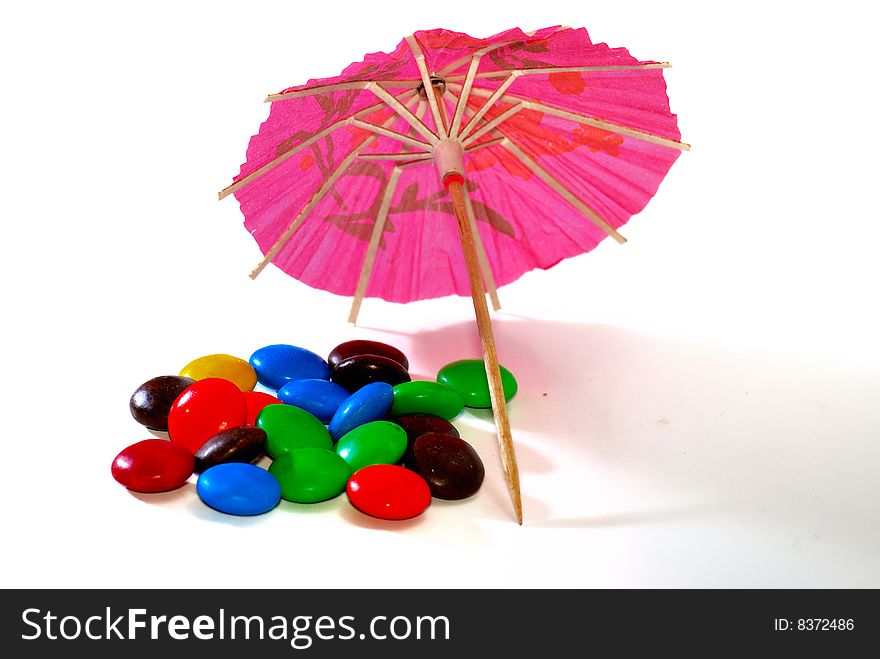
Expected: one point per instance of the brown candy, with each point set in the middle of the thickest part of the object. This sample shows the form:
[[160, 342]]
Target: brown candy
[[361, 347], [450, 466], [355, 372], [241, 444], [417, 425], [151, 402]]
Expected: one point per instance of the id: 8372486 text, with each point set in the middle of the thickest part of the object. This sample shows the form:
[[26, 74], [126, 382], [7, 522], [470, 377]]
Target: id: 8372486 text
[[813, 624]]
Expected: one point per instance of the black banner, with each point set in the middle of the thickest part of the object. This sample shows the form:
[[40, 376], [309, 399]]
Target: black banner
[[436, 623]]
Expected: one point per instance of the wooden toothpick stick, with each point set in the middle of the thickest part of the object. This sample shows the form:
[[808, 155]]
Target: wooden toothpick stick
[[490, 355], [487, 336]]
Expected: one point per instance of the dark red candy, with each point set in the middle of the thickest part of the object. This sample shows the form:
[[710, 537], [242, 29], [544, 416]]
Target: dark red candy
[[151, 402], [417, 425], [153, 465], [242, 444], [353, 348], [449, 465], [203, 409], [355, 372], [256, 401], [388, 492]]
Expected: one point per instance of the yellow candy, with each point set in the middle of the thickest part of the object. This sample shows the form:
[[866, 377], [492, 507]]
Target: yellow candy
[[236, 370]]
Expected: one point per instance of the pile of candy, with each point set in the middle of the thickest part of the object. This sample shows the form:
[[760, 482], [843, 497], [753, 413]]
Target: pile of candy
[[355, 423]]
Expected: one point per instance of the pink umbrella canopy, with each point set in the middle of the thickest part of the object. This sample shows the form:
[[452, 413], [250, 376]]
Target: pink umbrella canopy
[[564, 140], [453, 165]]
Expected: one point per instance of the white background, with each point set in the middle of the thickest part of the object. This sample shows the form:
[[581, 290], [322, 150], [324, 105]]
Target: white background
[[699, 407]]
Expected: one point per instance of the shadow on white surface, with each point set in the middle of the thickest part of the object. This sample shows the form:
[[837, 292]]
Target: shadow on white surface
[[616, 429], [353, 516], [631, 518], [173, 497], [205, 513], [299, 509]]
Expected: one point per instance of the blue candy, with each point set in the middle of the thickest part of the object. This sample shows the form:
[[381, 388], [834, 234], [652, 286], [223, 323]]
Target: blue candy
[[278, 364], [320, 398], [369, 403], [238, 488]]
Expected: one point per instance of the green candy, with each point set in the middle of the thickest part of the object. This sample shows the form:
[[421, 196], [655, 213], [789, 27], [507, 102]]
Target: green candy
[[426, 397], [289, 428], [468, 378], [309, 475], [377, 442]]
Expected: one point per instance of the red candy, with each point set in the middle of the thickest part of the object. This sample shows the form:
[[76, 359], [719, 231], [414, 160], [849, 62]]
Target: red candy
[[256, 401], [204, 409], [153, 465], [388, 492]]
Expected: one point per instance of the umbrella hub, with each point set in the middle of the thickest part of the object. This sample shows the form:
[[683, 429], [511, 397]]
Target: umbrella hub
[[437, 83], [449, 159]]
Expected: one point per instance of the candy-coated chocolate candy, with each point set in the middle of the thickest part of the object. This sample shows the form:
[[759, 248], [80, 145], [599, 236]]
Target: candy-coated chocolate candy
[[450, 466], [426, 397], [353, 348], [318, 397], [205, 408], [256, 401], [388, 492], [242, 444], [377, 442], [417, 425], [151, 402], [278, 364], [468, 378], [369, 403], [153, 465], [354, 372], [309, 475], [223, 366], [238, 488], [288, 428]]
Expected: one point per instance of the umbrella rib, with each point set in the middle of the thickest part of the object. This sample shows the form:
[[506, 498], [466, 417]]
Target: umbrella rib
[[482, 259], [417, 161], [228, 190], [419, 57], [465, 93], [483, 145], [560, 189], [372, 248], [585, 119], [337, 86], [240, 183], [490, 101], [314, 201], [567, 69], [609, 126], [295, 224], [393, 134], [485, 128], [405, 158], [449, 68], [409, 155], [421, 109], [404, 112]]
